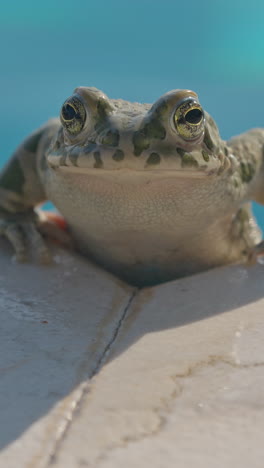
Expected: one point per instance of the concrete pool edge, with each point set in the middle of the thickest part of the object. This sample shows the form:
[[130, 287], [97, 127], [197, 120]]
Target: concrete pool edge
[[177, 370]]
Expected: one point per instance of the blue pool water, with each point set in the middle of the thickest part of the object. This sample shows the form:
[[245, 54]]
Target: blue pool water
[[135, 49]]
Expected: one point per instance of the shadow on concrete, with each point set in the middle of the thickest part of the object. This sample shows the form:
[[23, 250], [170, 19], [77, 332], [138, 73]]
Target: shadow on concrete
[[198, 297], [56, 323]]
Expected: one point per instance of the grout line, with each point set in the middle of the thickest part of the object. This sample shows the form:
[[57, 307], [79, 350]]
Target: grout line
[[108, 347], [84, 390]]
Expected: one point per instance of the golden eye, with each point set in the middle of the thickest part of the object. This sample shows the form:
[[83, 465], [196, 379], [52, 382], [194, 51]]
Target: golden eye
[[73, 115], [189, 119]]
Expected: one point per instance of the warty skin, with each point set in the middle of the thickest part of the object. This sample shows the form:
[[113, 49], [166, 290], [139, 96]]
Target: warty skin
[[149, 192]]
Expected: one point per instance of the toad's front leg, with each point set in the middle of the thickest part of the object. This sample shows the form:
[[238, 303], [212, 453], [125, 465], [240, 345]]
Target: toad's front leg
[[248, 149], [21, 190]]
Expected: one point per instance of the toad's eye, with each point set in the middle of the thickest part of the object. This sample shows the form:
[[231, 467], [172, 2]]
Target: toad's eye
[[68, 112], [188, 119], [73, 115]]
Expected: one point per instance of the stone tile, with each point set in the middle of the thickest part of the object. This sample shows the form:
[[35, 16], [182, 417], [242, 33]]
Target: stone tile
[[184, 382], [57, 326]]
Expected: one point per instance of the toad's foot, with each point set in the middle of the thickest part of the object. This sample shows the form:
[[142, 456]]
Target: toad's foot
[[259, 248], [256, 252], [25, 232], [54, 226]]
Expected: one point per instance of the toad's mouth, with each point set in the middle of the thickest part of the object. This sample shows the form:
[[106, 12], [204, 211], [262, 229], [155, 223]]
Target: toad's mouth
[[131, 173], [172, 167], [182, 164]]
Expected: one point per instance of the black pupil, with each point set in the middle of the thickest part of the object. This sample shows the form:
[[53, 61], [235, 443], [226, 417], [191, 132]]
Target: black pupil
[[68, 112], [194, 116]]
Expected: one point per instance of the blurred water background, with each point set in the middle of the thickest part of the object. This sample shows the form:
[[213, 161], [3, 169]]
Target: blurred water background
[[137, 50]]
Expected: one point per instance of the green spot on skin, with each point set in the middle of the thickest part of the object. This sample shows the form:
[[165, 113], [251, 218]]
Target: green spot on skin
[[153, 159], [208, 140], [205, 156], [12, 177], [153, 129], [241, 221], [180, 151], [98, 161], [162, 109], [189, 161], [111, 138], [247, 172], [118, 155], [236, 184], [242, 215], [103, 108], [140, 143]]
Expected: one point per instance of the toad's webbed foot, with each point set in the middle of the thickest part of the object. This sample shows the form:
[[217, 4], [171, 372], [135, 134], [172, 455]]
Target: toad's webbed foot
[[25, 232], [22, 232]]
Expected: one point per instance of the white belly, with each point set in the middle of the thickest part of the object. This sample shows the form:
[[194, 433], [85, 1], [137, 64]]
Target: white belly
[[146, 228]]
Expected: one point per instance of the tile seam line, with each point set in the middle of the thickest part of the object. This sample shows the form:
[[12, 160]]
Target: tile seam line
[[118, 328], [70, 415]]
